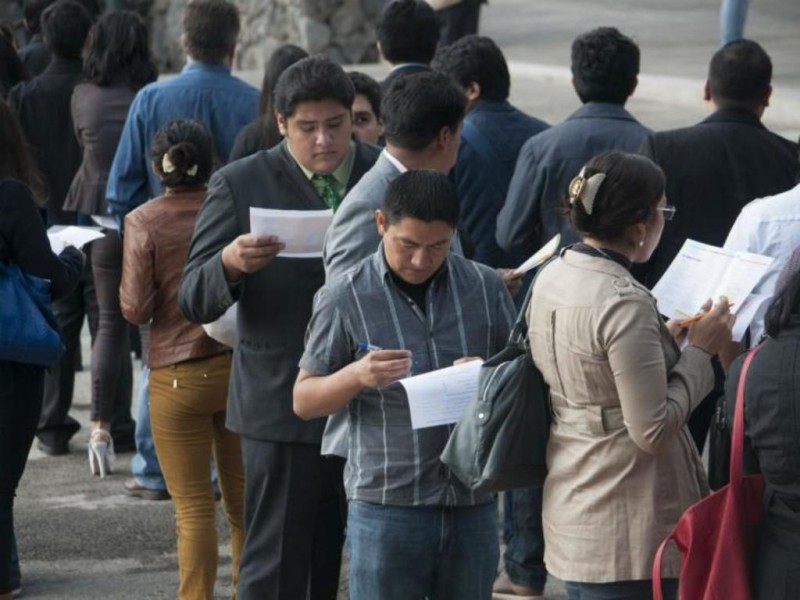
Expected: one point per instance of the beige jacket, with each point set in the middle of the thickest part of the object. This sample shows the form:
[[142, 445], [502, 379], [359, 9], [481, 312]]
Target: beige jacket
[[621, 464]]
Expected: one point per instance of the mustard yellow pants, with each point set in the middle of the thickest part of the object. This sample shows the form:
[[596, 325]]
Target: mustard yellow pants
[[187, 414]]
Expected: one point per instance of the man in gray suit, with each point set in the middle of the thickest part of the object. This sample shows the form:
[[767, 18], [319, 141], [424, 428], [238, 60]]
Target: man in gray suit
[[422, 123], [293, 496]]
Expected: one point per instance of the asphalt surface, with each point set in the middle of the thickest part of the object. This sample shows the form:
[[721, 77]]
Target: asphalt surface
[[80, 537]]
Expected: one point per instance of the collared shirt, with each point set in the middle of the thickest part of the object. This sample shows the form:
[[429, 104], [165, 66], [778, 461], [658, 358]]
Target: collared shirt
[[208, 93], [341, 174], [769, 226], [469, 313], [395, 161]]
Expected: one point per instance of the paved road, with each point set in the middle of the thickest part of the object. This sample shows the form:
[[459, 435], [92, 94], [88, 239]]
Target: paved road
[[83, 538]]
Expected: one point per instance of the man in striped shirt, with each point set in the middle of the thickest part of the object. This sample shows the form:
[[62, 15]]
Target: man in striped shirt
[[414, 530]]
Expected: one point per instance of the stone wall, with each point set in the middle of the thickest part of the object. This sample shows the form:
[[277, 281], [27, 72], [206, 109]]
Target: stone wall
[[341, 29]]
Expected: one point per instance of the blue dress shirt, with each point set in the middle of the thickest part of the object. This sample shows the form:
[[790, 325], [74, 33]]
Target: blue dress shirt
[[208, 93]]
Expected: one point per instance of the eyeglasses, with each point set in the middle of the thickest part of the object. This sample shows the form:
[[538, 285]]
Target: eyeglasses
[[669, 211]]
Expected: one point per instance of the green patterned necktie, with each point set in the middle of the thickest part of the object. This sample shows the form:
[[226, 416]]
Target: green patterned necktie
[[326, 188]]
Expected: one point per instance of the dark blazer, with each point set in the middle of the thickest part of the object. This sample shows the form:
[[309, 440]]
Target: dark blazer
[[43, 108], [713, 169], [98, 115], [493, 134], [274, 303], [547, 163], [772, 431], [400, 70]]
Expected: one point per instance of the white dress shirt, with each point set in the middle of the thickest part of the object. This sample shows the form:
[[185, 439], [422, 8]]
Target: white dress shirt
[[769, 226]]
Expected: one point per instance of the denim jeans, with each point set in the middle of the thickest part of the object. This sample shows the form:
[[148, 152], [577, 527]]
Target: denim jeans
[[417, 552], [620, 590], [144, 466], [732, 16], [522, 533]]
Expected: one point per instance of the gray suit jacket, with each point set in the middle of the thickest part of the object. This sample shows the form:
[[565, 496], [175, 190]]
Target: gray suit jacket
[[353, 234], [274, 303]]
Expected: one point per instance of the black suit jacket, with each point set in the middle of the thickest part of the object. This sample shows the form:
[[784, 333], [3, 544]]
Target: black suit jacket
[[274, 303], [43, 108], [713, 169]]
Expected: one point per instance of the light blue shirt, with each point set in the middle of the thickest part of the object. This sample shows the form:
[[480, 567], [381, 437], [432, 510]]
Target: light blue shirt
[[769, 226], [208, 93]]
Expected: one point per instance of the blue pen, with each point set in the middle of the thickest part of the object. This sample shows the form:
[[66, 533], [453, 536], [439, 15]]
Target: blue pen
[[365, 346]]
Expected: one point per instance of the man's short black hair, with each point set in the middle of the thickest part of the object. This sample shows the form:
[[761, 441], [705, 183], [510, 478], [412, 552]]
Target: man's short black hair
[[418, 106], [312, 79], [476, 59], [740, 74], [423, 194], [605, 65], [408, 32], [210, 28], [369, 88], [32, 13], [65, 26]]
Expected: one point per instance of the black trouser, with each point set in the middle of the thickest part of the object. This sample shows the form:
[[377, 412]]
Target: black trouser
[[20, 404], [112, 377], [294, 511], [458, 20], [56, 427]]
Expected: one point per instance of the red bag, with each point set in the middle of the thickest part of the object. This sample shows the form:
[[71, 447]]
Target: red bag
[[717, 535]]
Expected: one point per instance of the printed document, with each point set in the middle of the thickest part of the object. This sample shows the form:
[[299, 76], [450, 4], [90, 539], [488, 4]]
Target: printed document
[[441, 397], [303, 231], [541, 255], [60, 237], [700, 272]]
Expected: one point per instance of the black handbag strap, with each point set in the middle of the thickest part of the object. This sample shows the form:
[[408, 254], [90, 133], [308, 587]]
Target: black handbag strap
[[520, 330]]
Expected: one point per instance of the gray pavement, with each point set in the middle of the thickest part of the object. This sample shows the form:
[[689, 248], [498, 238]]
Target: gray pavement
[[80, 537]]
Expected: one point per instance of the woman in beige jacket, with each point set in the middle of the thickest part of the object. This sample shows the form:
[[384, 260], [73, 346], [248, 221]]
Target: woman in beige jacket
[[622, 466]]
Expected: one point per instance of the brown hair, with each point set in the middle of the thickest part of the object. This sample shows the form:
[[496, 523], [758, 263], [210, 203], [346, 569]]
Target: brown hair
[[628, 195]]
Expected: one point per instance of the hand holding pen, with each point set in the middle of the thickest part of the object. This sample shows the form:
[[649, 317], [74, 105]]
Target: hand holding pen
[[713, 328], [379, 367]]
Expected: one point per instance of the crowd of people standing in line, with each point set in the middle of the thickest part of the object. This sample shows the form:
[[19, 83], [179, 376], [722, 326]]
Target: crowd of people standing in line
[[439, 187]]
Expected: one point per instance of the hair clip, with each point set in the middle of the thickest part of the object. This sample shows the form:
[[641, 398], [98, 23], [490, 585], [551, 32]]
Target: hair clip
[[192, 171], [585, 188], [166, 164]]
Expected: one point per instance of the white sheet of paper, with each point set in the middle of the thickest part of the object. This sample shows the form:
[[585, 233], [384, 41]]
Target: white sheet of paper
[[746, 314], [700, 272], [303, 231], [541, 255], [441, 397], [106, 221], [72, 235]]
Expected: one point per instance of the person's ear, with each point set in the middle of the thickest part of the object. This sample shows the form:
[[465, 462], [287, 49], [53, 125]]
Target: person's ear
[[637, 235], [767, 96], [473, 92], [707, 91], [445, 137], [282, 125], [380, 50], [156, 168], [380, 221], [182, 42], [634, 86]]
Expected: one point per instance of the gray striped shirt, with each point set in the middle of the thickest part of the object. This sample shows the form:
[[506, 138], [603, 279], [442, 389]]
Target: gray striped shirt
[[468, 313]]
